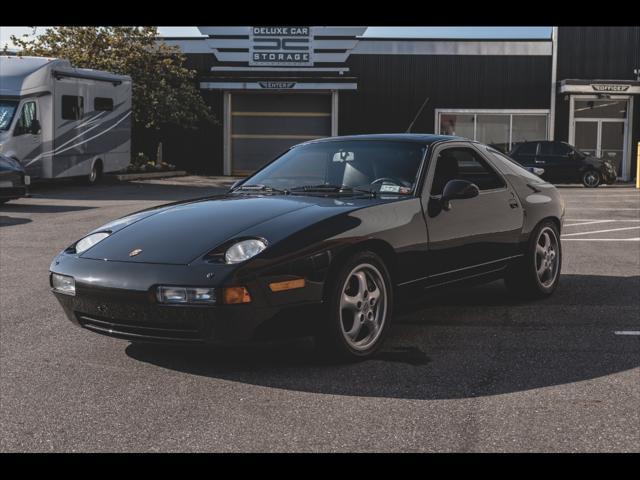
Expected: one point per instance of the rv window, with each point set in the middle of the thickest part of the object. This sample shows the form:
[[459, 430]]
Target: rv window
[[72, 107], [103, 104], [27, 116]]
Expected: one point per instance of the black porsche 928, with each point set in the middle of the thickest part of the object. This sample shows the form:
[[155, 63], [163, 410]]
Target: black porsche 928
[[324, 241]]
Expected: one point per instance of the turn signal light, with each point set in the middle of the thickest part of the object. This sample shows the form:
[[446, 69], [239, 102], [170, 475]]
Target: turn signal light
[[234, 295], [287, 285]]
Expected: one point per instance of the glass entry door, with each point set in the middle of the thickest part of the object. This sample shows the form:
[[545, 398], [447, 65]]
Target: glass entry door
[[600, 128], [586, 136], [602, 138], [612, 143]]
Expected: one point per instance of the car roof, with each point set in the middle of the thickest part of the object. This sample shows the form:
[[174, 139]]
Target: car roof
[[404, 137]]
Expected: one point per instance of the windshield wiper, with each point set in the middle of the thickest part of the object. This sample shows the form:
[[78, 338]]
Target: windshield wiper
[[261, 188], [332, 189]]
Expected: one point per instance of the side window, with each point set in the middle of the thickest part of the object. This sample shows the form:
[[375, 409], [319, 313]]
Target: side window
[[528, 148], [561, 149], [513, 167], [546, 148], [463, 164], [72, 107], [103, 104], [27, 115]]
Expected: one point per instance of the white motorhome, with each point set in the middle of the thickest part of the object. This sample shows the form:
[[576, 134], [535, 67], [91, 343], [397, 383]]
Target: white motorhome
[[60, 121]]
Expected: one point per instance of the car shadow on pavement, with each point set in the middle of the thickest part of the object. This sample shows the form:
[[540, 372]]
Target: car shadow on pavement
[[464, 344], [32, 208], [133, 191], [9, 221]]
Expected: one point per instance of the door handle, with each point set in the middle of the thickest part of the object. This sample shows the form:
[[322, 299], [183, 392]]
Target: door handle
[[513, 203], [539, 161]]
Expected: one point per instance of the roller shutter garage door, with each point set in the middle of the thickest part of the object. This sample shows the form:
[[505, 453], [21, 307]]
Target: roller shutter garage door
[[264, 125]]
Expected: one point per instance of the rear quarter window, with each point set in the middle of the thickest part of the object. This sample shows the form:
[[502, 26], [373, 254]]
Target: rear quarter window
[[507, 165]]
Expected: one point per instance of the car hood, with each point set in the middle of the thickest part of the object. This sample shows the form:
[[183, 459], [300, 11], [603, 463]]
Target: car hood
[[183, 232], [598, 161]]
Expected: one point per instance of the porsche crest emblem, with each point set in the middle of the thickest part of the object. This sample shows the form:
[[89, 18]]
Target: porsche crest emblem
[[135, 252]]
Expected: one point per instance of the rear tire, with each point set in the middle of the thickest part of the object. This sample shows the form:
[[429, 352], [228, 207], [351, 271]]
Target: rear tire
[[95, 175], [358, 311], [537, 274], [591, 178]]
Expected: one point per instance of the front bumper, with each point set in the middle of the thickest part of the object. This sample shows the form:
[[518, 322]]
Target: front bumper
[[9, 193], [118, 299], [13, 185]]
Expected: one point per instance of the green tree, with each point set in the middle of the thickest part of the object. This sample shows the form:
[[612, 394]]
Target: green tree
[[164, 90]]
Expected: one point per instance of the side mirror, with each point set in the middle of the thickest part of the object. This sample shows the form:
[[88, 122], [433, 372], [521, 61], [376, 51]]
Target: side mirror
[[457, 190], [453, 190], [35, 126]]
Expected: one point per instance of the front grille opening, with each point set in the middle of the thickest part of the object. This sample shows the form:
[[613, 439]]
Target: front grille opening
[[193, 331]]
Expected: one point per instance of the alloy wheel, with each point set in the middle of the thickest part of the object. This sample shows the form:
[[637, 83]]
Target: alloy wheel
[[591, 179], [547, 257], [363, 306]]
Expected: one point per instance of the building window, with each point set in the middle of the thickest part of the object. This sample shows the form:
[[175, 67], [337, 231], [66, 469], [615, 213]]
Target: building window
[[600, 109], [502, 129]]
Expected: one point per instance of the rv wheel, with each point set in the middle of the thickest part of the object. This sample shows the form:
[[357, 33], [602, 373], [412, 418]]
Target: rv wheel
[[96, 173]]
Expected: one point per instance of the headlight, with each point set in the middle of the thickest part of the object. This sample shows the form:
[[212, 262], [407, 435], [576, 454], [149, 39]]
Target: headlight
[[244, 250], [185, 295], [63, 284], [89, 241]]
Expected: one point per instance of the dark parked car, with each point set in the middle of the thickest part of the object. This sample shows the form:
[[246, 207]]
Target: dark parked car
[[13, 180], [326, 240], [564, 163]]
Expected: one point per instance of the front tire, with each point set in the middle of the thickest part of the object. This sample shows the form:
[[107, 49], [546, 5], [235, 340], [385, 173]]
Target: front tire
[[537, 274], [358, 310], [591, 178]]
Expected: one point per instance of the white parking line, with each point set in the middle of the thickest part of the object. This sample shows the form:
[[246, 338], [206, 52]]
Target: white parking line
[[635, 239], [597, 219], [604, 208], [591, 222], [601, 231], [627, 332]]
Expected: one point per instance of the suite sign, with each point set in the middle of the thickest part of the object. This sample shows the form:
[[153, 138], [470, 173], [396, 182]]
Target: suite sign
[[280, 46]]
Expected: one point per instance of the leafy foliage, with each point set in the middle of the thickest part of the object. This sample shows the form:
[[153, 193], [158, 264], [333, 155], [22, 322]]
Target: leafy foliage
[[164, 90], [142, 163]]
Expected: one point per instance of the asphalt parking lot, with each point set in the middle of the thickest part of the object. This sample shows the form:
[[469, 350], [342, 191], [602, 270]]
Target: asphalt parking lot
[[472, 371]]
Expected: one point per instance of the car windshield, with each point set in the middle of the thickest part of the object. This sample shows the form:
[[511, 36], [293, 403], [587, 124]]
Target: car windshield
[[7, 110], [350, 166]]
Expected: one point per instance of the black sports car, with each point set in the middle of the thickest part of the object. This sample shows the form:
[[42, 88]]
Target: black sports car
[[561, 162], [13, 180], [325, 240]]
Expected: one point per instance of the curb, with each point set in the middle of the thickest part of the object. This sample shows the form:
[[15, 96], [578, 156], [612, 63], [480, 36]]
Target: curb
[[145, 175]]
